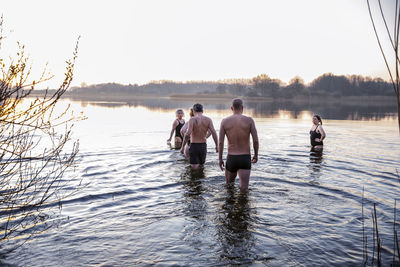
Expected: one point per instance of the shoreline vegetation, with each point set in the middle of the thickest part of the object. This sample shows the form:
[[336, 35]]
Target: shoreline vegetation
[[327, 88], [359, 100]]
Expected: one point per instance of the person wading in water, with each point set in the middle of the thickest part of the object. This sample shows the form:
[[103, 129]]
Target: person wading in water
[[238, 129], [197, 132], [176, 127]]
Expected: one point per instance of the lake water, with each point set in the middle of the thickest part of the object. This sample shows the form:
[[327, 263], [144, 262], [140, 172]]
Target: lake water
[[143, 205]]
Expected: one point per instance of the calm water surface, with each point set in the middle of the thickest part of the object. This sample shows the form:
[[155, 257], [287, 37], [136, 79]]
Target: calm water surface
[[144, 206]]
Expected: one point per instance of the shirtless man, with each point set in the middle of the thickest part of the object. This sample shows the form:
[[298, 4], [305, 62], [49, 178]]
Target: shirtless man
[[238, 128], [197, 132]]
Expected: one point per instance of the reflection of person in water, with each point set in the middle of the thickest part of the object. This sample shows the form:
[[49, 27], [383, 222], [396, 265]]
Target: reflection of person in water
[[176, 127], [316, 158], [317, 133], [193, 190], [234, 228], [316, 164]]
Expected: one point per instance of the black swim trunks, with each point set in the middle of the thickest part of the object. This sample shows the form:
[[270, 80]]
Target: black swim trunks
[[236, 162], [197, 153]]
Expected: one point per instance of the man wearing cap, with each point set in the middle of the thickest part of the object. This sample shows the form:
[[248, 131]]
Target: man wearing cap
[[197, 132]]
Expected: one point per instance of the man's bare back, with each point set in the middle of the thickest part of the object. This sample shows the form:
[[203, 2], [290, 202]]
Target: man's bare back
[[200, 124], [237, 128]]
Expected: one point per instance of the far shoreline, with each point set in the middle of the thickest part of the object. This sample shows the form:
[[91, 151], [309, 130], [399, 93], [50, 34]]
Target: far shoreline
[[201, 97], [367, 100]]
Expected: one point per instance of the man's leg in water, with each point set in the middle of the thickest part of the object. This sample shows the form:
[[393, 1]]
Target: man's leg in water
[[186, 151], [230, 176], [195, 166], [244, 177]]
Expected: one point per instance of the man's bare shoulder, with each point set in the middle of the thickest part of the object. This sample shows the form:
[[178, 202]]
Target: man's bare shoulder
[[231, 117], [239, 117], [251, 120], [226, 120], [247, 118], [207, 119]]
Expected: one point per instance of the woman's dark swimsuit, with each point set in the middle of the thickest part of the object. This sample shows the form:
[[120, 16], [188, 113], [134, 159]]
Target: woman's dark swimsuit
[[178, 129], [313, 135], [238, 162]]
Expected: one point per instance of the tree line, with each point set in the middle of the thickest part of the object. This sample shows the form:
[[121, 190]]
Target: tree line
[[260, 86]]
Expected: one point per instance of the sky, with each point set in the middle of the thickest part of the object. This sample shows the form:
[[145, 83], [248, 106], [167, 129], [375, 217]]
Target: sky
[[136, 41]]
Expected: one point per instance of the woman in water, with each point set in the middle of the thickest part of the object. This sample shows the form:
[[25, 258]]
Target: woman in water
[[176, 127], [185, 149], [317, 133]]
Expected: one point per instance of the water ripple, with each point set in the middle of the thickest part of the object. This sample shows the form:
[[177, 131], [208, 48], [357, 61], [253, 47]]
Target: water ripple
[[144, 206]]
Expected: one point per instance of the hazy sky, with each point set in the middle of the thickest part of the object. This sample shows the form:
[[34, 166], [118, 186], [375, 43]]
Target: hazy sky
[[139, 41]]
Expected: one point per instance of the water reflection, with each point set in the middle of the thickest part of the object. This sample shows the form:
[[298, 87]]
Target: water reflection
[[234, 228], [346, 110], [141, 194], [316, 155], [316, 160], [195, 204], [195, 208]]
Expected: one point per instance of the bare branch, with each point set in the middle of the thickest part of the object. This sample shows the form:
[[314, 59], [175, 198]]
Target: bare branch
[[33, 160], [395, 45]]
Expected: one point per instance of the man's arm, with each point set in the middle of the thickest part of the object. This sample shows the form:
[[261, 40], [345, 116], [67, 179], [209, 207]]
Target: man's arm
[[214, 134], [254, 136], [221, 145], [208, 133]]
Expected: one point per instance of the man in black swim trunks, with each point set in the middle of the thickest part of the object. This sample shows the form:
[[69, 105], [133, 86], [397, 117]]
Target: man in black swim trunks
[[198, 127], [238, 129]]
